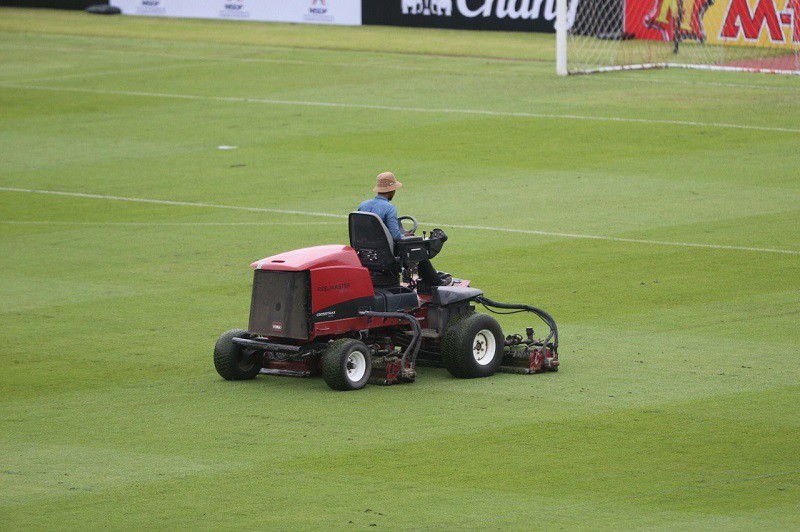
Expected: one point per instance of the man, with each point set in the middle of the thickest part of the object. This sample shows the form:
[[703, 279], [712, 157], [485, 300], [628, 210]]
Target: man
[[381, 205]]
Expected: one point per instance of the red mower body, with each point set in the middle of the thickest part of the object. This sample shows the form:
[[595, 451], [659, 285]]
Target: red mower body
[[319, 292]]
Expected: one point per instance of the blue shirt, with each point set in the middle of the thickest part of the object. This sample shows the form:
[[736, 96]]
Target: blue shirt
[[388, 213]]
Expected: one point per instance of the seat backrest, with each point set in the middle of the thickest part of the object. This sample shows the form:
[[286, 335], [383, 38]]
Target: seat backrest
[[372, 240]]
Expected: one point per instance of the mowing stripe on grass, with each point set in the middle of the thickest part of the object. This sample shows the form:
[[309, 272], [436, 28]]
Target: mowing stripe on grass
[[481, 112], [677, 490], [454, 226], [322, 63], [638, 496], [103, 73], [160, 224], [613, 77]]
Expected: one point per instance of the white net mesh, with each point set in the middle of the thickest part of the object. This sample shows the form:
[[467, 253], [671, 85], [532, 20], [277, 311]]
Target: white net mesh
[[754, 35]]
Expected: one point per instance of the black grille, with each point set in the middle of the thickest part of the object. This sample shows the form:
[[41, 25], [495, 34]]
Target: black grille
[[280, 304]]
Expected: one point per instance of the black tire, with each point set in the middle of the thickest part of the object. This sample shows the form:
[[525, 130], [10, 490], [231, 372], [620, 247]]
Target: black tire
[[472, 346], [347, 364], [233, 362]]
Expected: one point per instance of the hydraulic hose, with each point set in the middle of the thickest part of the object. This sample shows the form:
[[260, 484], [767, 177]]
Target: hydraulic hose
[[413, 346], [543, 315]]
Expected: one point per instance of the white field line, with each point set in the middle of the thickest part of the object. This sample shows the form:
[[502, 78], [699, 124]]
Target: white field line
[[161, 224], [698, 83], [621, 239], [454, 226], [480, 112], [168, 202]]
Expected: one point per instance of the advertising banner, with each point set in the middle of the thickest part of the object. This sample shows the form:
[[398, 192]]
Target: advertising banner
[[760, 23], [342, 12], [502, 15]]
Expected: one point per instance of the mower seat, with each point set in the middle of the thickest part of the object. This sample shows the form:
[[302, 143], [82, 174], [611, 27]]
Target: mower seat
[[379, 252], [373, 242]]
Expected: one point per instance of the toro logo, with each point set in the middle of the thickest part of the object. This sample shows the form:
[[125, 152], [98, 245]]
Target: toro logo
[[341, 287], [740, 21], [667, 15], [428, 7]]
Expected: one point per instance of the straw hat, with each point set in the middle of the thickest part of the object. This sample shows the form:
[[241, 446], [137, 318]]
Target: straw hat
[[386, 183]]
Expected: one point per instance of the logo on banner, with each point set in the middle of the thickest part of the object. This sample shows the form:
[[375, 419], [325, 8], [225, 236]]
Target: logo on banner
[[742, 22], [683, 18], [498, 9], [150, 7], [428, 7], [234, 9], [318, 12], [318, 7]]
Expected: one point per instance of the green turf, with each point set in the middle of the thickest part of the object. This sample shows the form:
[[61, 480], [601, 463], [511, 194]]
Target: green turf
[[677, 403]]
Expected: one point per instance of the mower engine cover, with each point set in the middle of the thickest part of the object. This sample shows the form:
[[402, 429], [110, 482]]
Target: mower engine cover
[[295, 290]]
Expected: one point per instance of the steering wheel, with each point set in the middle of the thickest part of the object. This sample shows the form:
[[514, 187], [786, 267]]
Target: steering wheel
[[413, 221]]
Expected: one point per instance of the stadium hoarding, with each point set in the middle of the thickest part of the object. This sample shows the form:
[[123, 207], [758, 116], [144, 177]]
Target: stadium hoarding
[[341, 12], [498, 15], [757, 23]]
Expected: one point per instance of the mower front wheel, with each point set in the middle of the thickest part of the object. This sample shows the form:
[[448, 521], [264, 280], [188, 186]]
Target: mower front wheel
[[472, 346], [347, 364], [232, 361]]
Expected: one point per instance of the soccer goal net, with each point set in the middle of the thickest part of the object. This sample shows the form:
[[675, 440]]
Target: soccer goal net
[[742, 35]]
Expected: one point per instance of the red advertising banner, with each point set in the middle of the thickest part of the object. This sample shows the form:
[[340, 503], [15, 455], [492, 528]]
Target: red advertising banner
[[767, 23]]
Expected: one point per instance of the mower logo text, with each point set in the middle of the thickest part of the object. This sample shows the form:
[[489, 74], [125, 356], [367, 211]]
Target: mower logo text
[[277, 326], [340, 286]]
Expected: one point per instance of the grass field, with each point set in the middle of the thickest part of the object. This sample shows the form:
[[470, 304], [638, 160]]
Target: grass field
[[677, 403]]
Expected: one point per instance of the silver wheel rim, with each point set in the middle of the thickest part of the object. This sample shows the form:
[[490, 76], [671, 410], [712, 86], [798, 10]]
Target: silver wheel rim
[[484, 347], [356, 366]]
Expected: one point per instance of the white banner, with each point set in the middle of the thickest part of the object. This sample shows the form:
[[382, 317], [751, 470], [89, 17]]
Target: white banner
[[342, 12]]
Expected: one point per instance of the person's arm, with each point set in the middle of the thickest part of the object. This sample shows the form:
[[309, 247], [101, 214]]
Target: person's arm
[[393, 224]]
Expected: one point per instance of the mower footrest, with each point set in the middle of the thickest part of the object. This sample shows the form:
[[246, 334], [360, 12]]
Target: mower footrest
[[266, 346], [285, 372]]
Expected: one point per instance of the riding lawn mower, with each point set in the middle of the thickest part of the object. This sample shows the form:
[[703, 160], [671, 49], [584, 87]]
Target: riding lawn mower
[[360, 314]]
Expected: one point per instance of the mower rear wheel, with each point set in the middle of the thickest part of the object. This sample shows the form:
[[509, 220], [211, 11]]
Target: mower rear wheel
[[234, 362], [472, 346], [347, 364]]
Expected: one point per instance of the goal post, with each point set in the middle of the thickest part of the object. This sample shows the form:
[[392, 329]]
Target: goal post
[[736, 35]]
